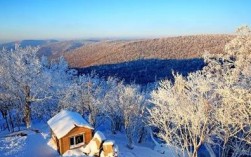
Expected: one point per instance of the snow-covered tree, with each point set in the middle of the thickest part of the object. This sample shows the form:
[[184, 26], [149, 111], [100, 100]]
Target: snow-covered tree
[[21, 67], [233, 94], [183, 113], [110, 99], [84, 96], [112, 108], [61, 78], [123, 105], [6, 104], [25, 78], [132, 103], [211, 106]]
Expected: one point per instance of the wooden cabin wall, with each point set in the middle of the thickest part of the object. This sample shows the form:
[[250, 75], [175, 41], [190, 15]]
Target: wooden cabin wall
[[65, 141]]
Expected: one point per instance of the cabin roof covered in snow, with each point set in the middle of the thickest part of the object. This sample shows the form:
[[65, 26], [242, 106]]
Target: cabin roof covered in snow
[[63, 122]]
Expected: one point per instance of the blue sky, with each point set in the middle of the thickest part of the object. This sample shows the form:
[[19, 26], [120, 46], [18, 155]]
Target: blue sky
[[82, 19]]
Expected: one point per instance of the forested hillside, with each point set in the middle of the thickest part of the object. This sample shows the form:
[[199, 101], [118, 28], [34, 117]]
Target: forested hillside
[[111, 52]]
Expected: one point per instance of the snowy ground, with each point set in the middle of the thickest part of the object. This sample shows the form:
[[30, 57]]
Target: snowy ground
[[35, 144], [143, 150]]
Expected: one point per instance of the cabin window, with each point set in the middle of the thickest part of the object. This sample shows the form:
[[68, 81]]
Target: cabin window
[[79, 139], [72, 141], [76, 141]]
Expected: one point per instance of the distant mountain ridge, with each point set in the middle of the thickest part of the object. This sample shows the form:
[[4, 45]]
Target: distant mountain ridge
[[57, 49], [49, 48], [112, 52], [138, 61], [86, 53], [24, 43]]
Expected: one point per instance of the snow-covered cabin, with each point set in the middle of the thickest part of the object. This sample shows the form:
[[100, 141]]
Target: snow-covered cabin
[[69, 130]]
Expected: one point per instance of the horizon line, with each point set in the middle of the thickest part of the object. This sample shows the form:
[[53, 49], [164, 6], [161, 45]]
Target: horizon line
[[111, 38]]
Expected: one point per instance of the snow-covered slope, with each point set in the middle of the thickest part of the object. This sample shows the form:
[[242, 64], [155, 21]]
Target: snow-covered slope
[[36, 144]]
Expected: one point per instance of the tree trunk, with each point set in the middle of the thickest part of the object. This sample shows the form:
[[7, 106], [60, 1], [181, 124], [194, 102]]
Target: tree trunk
[[195, 152], [19, 119], [129, 138], [4, 114], [11, 122], [141, 135], [118, 123], [225, 149], [27, 114], [92, 119], [117, 126], [151, 135], [113, 127], [27, 107], [210, 150], [8, 126]]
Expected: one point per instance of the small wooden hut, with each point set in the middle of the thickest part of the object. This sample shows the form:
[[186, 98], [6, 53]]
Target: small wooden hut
[[69, 131]]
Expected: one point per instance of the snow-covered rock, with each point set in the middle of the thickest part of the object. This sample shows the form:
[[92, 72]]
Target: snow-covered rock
[[94, 145]]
